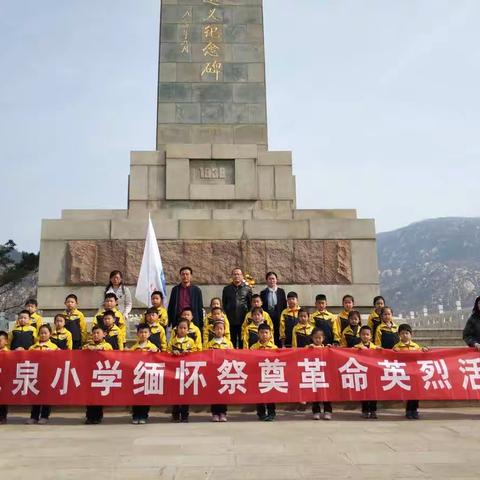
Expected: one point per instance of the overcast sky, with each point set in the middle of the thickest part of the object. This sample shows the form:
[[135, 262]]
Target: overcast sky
[[378, 100]]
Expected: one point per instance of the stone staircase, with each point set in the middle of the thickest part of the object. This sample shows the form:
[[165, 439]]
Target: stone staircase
[[434, 337]]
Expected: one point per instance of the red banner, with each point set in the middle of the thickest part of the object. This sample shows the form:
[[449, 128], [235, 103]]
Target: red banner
[[237, 376]]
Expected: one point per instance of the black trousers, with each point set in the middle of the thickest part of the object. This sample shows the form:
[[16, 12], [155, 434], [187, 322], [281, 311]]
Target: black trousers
[[412, 405], [140, 412], [180, 411], [266, 409], [77, 345], [94, 413], [316, 407], [369, 407], [40, 411], [219, 409], [3, 412], [236, 335]]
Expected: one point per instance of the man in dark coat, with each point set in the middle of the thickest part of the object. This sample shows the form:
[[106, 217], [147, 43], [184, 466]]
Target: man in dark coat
[[236, 300], [274, 301], [185, 295], [471, 332]]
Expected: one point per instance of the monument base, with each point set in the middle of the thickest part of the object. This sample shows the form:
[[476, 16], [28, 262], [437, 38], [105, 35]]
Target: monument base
[[214, 207]]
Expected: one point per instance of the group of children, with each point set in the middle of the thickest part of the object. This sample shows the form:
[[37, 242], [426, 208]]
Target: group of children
[[297, 329]]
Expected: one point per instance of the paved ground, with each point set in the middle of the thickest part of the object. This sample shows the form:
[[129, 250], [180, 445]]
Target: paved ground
[[444, 445]]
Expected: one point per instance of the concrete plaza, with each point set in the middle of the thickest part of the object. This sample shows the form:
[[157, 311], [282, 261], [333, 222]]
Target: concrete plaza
[[445, 444]]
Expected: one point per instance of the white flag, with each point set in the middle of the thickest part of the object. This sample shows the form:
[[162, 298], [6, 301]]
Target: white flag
[[152, 276]]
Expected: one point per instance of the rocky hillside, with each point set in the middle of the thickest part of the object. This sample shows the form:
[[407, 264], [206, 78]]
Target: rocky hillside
[[429, 263]]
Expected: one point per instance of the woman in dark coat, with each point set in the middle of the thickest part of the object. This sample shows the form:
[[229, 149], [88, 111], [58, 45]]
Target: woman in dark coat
[[471, 332]]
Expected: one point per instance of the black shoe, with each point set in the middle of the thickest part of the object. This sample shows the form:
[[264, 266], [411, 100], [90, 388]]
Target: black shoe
[[263, 417], [97, 421], [88, 421], [415, 415], [184, 420], [409, 415], [175, 419], [373, 415]]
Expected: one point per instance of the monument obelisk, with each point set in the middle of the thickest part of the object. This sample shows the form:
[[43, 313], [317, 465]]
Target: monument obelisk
[[218, 197]]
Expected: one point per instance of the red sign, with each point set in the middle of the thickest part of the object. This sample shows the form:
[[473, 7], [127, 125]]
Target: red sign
[[237, 376]]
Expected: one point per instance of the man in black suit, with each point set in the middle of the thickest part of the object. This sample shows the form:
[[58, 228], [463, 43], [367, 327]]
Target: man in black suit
[[186, 295], [274, 301]]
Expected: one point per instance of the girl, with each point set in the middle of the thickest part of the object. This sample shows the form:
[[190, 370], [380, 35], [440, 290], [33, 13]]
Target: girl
[[41, 413], [387, 331], [209, 321], [351, 335], [124, 297], [374, 319]]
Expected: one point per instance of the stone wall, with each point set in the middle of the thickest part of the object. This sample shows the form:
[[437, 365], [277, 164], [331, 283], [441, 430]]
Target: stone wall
[[300, 262]]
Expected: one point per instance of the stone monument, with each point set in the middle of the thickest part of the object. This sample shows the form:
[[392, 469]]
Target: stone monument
[[217, 195]]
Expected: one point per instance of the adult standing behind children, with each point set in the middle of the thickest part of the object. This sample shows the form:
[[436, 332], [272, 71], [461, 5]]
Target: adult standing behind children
[[471, 332], [274, 302], [124, 297], [236, 300], [185, 295]]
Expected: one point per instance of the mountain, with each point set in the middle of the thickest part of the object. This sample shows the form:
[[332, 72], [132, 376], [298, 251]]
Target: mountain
[[429, 263]]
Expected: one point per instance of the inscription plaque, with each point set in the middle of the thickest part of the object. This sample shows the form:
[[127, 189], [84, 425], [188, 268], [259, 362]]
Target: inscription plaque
[[212, 172]]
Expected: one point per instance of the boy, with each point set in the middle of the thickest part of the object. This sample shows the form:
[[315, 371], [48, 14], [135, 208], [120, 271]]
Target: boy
[[325, 320], [75, 322], [318, 341], [113, 334], [94, 414], [157, 303], [3, 348], [302, 331], [24, 335], [216, 315], [193, 331], [61, 337], [110, 303], [140, 412], [405, 345], [256, 303], [180, 344], [351, 334], [369, 407], [219, 342], [387, 332], [374, 319], [31, 306], [348, 302], [157, 332], [265, 412], [41, 413], [288, 320], [251, 334]]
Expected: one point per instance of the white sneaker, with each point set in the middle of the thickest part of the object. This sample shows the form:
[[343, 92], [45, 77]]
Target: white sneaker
[[43, 421], [31, 421], [316, 416], [215, 418], [327, 416], [223, 417]]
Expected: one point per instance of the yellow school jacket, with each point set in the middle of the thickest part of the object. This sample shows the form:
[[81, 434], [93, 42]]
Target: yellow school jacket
[[44, 346], [248, 320], [219, 344], [208, 328], [407, 346], [76, 324], [23, 337], [264, 346], [301, 335], [181, 345], [162, 316], [119, 320], [157, 336], [145, 347], [288, 320], [369, 345], [62, 339], [103, 345], [350, 337], [250, 336], [343, 322], [37, 320], [386, 336], [114, 337], [328, 322], [195, 334], [374, 322]]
